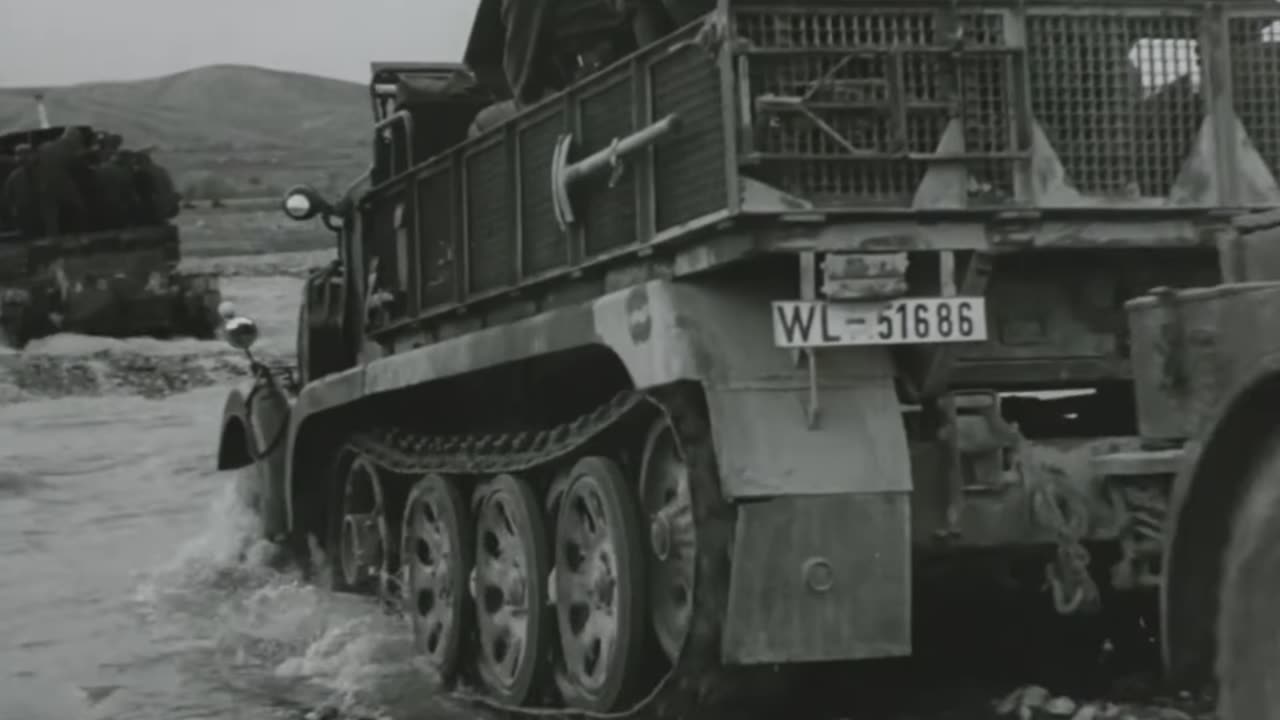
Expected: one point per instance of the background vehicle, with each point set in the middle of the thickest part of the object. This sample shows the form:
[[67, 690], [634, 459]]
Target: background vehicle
[[86, 245], [833, 301]]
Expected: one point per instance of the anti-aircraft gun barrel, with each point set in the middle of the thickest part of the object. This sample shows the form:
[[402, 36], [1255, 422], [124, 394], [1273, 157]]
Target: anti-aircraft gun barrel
[[619, 148], [564, 175]]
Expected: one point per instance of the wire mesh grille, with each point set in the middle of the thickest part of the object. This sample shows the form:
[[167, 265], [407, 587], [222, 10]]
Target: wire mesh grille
[[875, 89], [491, 256], [544, 246], [438, 236], [609, 213], [1116, 90], [1255, 80], [1117, 97], [689, 167]]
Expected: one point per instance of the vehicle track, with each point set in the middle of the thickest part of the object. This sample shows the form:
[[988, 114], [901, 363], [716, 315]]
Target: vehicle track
[[696, 684]]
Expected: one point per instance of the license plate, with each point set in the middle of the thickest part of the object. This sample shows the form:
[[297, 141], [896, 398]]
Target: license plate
[[909, 321]]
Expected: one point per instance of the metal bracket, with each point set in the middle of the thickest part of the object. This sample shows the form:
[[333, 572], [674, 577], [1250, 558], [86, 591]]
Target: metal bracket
[[951, 467], [383, 127], [813, 410], [938, 361], [864, 276], [809, 291], [375, 299], [1173, 376], [974, 439]]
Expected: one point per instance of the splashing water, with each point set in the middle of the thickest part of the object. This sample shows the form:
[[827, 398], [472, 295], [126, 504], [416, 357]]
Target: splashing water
[[216, 628], [276, 641], [131, 583]]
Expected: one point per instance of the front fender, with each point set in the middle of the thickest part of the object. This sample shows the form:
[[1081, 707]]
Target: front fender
[[1202, 507], [233, 440], [252, 440]]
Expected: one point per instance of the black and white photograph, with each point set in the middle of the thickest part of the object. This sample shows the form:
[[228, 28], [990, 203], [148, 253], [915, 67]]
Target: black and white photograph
[[640, 360]]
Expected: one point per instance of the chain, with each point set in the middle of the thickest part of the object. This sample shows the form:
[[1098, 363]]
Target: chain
[[1056, 506], [1141, 538]]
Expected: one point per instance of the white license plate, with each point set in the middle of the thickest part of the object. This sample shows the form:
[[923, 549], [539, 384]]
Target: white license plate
[[915, 321]]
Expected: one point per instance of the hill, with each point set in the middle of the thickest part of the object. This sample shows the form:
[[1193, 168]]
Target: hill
[[224, 131], [216, 107]]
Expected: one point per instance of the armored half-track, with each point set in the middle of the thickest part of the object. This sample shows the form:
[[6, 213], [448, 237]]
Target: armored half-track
[[756, 352], [87, 246]]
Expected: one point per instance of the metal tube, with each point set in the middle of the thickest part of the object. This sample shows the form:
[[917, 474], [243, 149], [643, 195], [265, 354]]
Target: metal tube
[[605, 158], [406, 119], [368, 172]]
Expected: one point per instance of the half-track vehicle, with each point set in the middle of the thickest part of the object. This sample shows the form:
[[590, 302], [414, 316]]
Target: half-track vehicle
[[737, 358], [87, 246]]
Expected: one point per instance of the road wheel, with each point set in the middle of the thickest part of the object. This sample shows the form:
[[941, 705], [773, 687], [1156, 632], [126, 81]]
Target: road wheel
[[512, 564], [673, 537], [600, 592], [362, 532], [1248, 622], [436, 557]]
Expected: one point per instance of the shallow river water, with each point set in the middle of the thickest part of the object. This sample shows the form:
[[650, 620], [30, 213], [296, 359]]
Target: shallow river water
[[130, 587]]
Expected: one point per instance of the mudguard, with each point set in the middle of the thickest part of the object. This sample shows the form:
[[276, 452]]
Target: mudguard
[[252, 441], [1230, 388]]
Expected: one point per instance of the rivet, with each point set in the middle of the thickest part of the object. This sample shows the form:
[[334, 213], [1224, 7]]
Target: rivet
[[818, 575]]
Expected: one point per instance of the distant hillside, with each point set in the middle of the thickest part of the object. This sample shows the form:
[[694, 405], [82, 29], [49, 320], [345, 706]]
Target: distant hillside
[[219, 107]]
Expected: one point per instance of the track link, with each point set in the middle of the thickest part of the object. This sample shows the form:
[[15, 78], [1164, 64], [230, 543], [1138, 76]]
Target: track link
[[408, 453], [695, 683]]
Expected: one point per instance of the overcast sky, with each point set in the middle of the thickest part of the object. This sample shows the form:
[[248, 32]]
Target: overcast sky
[[69, 41]]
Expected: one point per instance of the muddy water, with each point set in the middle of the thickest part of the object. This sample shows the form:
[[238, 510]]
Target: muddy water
[[130, 586]]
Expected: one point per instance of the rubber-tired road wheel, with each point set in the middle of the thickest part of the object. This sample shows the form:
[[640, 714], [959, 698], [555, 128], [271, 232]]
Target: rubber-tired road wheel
[[362, 537], [1248, 654], [600, 592], [436, 557], [512, 563]]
